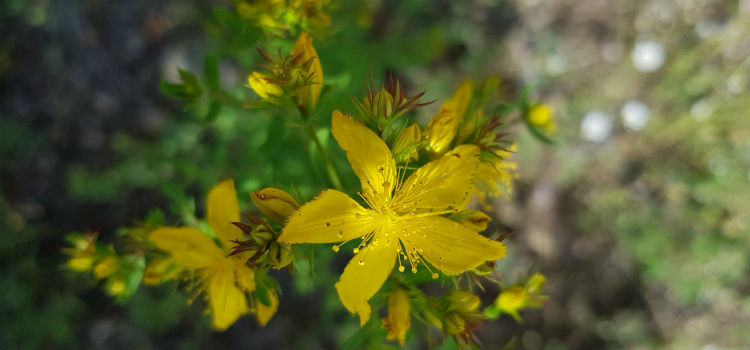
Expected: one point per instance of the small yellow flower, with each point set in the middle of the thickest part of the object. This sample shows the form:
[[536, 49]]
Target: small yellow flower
[[541, 116], [260, 84], [116, 287], [80, 263], [274, 203], [308, 94], [512, 299], [105, 267], [399, 316], [225, 280], [403, 222]]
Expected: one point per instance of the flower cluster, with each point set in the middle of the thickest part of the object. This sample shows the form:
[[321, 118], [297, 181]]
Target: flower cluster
[[414, 218]]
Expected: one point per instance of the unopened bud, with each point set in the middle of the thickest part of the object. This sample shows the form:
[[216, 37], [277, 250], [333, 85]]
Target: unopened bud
[[274, 203]]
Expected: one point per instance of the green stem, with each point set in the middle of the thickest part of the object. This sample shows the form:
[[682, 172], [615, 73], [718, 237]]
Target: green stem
[[330, 169]]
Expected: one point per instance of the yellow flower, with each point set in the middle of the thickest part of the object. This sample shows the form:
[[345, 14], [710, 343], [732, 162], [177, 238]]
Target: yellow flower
[[105, 267], [80, 263], [225, 280], [307, 95], [403, 221], [512, 299], [399, 316], [260, 84], [541, 116], [274, 203], [441, 130]]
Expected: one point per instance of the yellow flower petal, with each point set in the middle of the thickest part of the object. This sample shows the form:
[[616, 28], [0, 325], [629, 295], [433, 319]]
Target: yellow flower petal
[[369, 156], [460, 99], [190, 247], [441, 131], [330, 217], [448, 245], [304, 47], [244, 275], [227, 301], [274, 203], [222, 208], [264, 313], [441, 183], [363, 276]]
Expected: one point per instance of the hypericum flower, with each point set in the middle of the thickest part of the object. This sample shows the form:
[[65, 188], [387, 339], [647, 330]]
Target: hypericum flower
[[399, 316], [225, 280], [403, 219], [541, 117], [514, 298]]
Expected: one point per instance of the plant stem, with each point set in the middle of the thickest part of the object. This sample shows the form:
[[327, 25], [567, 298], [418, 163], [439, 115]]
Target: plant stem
[[330, 169]]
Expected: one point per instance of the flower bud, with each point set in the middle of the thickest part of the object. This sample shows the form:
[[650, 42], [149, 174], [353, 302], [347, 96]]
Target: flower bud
[[406, 143], [454, 324], [274, 203], [105, 267], [399, 316], [441, 131], [307, 95], [260, 83], [476, 220], [541, 117], [462, 301]]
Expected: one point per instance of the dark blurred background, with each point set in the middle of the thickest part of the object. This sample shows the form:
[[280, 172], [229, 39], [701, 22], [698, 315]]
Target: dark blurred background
[[638, 215]]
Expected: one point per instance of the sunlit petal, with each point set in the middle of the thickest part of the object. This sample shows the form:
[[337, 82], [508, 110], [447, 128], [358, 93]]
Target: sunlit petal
[[330, 217], [448, 245], [227, 301], [441, 183], [364, 275], [369, 156], [222, 208]]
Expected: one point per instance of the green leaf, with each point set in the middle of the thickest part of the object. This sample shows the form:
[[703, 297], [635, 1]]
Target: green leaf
[[211, 71]]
